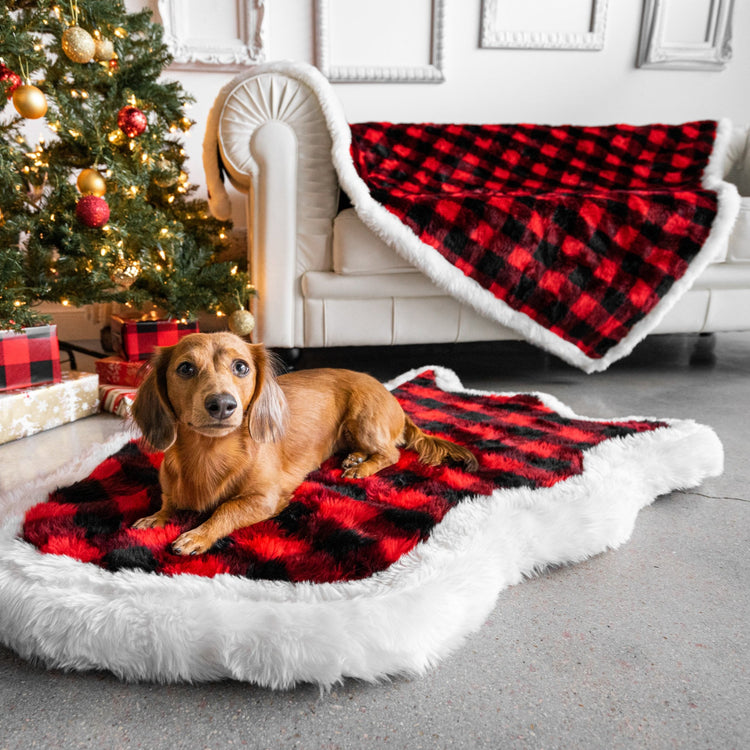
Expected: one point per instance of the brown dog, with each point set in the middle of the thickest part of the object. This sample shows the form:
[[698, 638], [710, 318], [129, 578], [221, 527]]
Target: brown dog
[[238, 440]]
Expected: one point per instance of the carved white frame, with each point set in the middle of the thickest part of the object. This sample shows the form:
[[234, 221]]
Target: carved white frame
[[711, 54], [493, 36], [215, 54], [429, 73]]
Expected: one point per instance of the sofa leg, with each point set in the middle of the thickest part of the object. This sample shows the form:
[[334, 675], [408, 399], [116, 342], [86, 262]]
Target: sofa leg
[[704, 350], [289, 357]]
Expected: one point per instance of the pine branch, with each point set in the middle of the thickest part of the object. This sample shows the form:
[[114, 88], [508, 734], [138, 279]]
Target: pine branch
[[159, 245]]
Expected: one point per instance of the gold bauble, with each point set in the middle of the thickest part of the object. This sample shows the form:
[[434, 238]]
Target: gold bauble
[[123, 276], [78, 44], [241, 322], [30, 102], [117, 138], [90, 182], [166, 173], [104, 50]]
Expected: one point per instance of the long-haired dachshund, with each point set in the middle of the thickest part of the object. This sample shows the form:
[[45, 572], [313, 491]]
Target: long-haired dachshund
[[238, 440]]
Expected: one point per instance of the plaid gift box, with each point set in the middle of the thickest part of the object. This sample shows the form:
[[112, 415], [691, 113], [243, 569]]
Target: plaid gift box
[[29, 357], [135, 339], [120, 372]]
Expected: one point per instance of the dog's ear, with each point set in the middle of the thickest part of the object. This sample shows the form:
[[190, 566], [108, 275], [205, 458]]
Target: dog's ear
[[268, 411], [151, 410]]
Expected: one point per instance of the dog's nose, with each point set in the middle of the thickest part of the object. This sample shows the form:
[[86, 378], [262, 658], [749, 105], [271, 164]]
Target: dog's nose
[[220, 405]]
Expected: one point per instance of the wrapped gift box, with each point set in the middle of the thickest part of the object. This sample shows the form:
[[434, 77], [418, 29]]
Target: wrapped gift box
[[135, 340], [119, 371], [29, 410], [29, 357], [117, 399]]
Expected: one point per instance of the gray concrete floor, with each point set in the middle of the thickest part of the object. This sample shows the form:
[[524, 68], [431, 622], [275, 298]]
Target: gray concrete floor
[[643, 647]]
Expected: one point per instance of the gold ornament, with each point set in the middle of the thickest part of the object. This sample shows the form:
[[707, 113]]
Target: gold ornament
[[78, 44], [30, 102], [166, 173], [117, 138], [241, 322], [124, 275], [90, 182], [104, 50]]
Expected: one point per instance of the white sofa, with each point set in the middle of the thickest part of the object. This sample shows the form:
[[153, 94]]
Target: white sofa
[[324, 279]]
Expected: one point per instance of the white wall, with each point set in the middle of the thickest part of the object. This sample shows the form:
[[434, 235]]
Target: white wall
[[499, 85]]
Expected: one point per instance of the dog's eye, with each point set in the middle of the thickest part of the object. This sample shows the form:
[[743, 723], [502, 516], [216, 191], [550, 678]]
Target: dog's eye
[[186, 369], [240, 368]]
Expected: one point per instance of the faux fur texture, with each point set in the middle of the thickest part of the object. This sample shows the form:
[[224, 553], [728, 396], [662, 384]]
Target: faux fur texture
[[443, 273], [334, 528], [140, 626]]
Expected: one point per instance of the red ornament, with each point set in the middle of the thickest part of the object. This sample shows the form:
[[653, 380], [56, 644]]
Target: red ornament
[[131, 121], [93, 211], [9, 80]]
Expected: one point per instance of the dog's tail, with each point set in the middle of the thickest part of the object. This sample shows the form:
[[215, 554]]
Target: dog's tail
[[434, 450]]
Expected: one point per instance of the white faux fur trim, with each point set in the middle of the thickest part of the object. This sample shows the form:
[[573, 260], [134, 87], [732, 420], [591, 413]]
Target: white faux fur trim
[[451, 279], [405, 619]]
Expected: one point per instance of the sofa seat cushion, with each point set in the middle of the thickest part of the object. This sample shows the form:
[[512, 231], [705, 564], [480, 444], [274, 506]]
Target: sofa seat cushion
[[357, 251], [739, 241], [322, 285]]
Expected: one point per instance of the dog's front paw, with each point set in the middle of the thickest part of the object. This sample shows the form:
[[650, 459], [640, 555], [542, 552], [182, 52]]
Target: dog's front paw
[[353, 460], [351, 465], [194, 542], [366, 469], [155, 521]]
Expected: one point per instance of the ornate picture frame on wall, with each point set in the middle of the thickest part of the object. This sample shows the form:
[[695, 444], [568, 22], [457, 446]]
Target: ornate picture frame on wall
[[711, 52], [498, 32], [397, 35], [222, 35]]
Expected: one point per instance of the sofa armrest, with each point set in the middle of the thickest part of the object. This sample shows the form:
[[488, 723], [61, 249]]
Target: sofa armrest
[[269, 131]]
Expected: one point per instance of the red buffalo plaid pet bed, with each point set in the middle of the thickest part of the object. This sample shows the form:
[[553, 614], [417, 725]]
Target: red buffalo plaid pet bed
[[335, 529], [581, 238], [355, 578]]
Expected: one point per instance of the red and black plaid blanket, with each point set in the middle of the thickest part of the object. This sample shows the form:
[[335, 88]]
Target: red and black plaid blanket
[[334, 529], [584, 230]]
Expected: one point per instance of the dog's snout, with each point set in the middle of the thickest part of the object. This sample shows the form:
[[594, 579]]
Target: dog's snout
[[220, 405]]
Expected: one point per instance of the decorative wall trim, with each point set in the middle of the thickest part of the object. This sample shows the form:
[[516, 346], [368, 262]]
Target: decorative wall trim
[[431, 72], [220, 54], [654, 51], [495, 37]]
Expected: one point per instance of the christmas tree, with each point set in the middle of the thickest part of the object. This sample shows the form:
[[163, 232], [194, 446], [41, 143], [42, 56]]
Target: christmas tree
[[99, 208]]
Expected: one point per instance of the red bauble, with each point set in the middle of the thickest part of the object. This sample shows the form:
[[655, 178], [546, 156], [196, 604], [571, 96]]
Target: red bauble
[[93, 211], [9, 79], [131, 121]]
